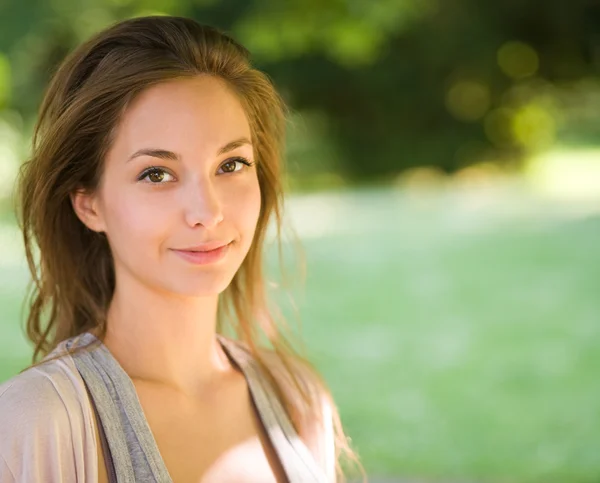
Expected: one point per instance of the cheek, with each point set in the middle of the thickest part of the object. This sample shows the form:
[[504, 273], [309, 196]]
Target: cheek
[[134, 222], [139, 223], [249, 209]]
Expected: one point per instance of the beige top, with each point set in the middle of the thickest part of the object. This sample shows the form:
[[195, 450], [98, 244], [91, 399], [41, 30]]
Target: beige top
[[47, 429]]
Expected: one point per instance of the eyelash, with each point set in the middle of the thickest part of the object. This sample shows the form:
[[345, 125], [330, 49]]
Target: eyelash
[[154, 169]]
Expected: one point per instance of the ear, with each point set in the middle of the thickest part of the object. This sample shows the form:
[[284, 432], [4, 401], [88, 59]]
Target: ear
[[87, 208]]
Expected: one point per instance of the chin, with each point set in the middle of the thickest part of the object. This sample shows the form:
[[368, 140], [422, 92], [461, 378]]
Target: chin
[[203, 286]]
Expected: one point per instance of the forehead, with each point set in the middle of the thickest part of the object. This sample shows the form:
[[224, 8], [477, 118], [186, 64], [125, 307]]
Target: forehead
[[194, 114]]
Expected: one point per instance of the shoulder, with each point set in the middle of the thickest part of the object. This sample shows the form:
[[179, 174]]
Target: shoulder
[[290, 372], [312, 407], [313, 410], [44, 419]]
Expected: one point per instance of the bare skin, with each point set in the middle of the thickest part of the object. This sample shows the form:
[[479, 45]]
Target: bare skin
[[161, 322], [207, 441]]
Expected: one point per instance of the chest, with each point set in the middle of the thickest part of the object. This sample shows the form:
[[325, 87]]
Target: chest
[[209, 443]]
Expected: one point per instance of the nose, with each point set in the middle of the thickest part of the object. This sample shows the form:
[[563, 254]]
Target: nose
[[203, 206]]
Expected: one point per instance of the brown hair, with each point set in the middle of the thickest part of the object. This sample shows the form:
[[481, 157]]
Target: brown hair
[[74, 279]]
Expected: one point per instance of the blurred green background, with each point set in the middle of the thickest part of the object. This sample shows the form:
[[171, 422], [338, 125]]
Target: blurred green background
[[444, 160]]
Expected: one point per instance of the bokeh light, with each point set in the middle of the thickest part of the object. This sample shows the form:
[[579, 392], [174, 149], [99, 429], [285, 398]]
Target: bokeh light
[[518, 59], [468, 100]]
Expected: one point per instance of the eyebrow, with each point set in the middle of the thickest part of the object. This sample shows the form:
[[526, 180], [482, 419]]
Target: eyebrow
[[170, 155]]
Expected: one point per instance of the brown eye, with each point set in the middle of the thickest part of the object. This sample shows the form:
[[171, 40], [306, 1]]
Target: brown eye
[[229, 166], [234, 164], [155, 175]]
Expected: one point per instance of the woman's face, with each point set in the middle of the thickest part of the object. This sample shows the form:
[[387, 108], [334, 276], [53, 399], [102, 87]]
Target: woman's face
[[194, 189]]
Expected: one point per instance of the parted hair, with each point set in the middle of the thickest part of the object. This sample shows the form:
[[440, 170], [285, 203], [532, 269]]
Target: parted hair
[[72, 268]]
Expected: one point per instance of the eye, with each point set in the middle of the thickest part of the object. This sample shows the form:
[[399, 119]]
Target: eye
[[155, 175], [235, 164]]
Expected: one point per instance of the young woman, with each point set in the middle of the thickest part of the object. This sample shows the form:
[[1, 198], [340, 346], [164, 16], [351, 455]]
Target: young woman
[[155, 171]]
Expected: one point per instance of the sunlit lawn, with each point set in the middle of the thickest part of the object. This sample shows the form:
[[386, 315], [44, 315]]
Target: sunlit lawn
[[460, 332]]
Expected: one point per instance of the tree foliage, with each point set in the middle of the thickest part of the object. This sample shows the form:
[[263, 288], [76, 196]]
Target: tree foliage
[[398, 83]]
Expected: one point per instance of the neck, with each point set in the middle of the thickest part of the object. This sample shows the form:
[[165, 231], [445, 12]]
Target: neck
[[165, 339]]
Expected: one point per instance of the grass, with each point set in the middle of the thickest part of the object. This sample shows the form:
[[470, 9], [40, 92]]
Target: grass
[[458, 330]]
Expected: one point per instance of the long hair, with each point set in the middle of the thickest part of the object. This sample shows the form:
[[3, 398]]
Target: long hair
[[74, 279]]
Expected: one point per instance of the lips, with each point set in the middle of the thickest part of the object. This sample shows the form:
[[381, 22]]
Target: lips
[[204, 257], [205, 247]]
